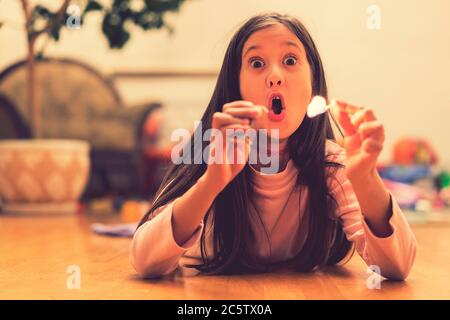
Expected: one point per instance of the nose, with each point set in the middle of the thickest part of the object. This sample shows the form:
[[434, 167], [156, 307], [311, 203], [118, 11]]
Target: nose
[[274, 79]]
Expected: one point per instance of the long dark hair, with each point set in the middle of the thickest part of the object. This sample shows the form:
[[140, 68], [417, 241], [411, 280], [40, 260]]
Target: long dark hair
[[325, 242]]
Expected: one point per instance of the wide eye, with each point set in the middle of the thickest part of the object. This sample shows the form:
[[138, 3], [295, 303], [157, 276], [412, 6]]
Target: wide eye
[[256, 63], [290, 60]]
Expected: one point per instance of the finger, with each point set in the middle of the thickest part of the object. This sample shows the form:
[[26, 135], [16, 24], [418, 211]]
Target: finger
[[238, 104], [243, 148], [263, 108], [352, 144], [345, 123], [347, 107], [221, 119], [362, 115], [257, 123], [236, 146], [252, 112], [372, 129], [337, 109], [234, 130], [225, 133], [357, 118], [372, 146]]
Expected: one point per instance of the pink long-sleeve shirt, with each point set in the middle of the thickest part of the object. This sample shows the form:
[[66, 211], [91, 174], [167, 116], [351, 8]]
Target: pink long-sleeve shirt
[[280, 204]]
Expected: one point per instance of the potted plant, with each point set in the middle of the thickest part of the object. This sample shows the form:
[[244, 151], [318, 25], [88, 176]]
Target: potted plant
[[47, 175]]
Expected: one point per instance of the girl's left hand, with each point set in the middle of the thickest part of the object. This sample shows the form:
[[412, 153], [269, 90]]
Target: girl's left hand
[[363, 139]]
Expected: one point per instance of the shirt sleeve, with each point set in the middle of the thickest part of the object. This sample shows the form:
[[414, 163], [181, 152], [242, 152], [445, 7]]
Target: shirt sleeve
[[393, 255], [154, 251]]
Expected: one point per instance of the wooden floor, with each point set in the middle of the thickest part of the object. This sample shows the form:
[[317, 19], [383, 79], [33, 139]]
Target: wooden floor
[[35, 253]]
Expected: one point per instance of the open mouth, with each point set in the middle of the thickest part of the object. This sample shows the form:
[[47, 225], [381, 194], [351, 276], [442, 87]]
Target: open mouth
[[277, 107]]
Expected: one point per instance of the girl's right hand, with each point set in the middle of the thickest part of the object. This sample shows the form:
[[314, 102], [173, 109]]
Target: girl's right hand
[[235, 115]]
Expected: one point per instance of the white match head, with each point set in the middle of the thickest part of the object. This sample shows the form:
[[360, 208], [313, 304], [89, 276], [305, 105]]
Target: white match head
[[318, 105]]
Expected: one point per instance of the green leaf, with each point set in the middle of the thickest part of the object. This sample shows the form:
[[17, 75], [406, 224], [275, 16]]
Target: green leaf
[[151, 16], [43, 12], [163, 5], [92, 6], [114, 30], [54, 32]]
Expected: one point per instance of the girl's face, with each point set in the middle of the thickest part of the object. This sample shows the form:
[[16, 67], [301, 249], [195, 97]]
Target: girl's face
[[274, 62]]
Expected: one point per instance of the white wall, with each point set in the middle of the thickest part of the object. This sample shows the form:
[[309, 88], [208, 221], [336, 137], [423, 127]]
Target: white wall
[[401, 70]]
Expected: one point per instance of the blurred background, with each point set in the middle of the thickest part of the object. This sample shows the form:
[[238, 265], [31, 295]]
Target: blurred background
[[390, 55]]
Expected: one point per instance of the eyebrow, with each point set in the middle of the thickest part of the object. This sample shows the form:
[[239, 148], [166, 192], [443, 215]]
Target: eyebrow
[[286, 43]]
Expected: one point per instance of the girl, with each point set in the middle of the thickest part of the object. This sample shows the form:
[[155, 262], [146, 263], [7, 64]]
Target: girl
[[323, 202]]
